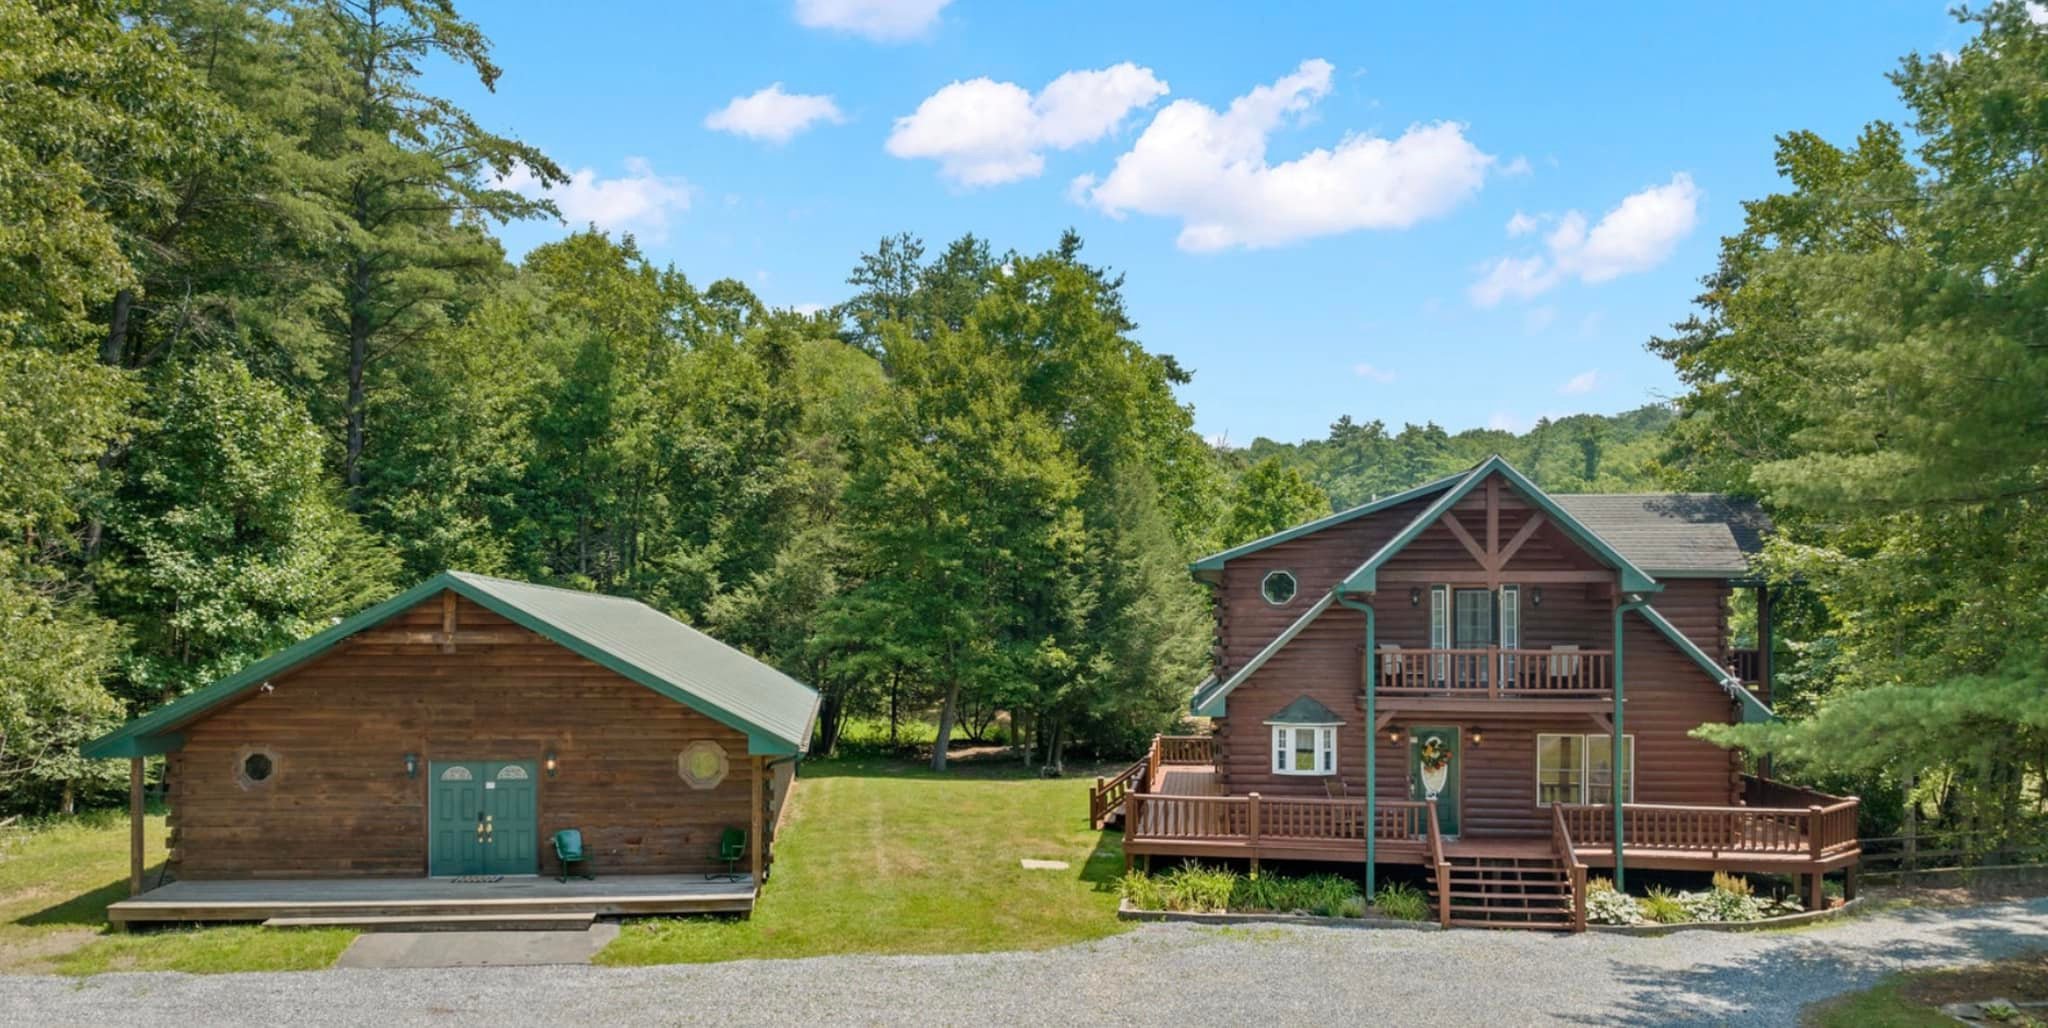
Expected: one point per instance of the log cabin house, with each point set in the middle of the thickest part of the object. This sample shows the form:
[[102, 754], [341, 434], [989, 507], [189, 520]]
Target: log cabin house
[[413, 763], [1448, 677]]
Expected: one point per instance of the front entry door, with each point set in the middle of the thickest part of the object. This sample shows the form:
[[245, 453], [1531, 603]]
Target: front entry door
[[483, 818], [1433, 769]]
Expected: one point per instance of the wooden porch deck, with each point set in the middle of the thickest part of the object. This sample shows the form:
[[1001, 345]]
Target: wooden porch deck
[[509, 897]]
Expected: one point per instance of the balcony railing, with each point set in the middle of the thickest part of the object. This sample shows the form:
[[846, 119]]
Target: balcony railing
[[1797, 823], [1496, 673]]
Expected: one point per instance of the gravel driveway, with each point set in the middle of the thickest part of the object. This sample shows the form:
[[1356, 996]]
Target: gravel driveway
[[1159, 974]]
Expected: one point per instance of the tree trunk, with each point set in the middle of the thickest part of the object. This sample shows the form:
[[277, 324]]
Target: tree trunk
[[114, 349], [830, 709], [895, 682], [947, 712]]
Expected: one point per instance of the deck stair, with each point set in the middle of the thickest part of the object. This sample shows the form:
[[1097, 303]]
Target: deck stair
[[417, 922], [1532, 891]]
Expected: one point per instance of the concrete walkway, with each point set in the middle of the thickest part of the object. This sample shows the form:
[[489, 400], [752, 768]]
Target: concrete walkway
[[387, 950], [1177, 975]]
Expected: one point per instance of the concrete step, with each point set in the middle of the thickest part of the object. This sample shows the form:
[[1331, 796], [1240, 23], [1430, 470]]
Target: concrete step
[[375, 922]]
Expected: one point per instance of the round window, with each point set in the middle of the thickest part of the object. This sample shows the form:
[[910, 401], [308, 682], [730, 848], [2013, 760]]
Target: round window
[[702, 764], [256, 768], [1278, 588]]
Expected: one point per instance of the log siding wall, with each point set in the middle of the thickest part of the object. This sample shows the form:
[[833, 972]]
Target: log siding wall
[[340, 804]]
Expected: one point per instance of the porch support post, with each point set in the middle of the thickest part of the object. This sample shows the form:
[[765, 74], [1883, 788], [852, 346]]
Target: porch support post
[[1614, 765], [755, 841], [135, 826], [1372, 735]]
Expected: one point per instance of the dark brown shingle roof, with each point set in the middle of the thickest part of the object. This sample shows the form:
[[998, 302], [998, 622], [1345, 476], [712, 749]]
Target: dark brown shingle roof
[[1675, 534]]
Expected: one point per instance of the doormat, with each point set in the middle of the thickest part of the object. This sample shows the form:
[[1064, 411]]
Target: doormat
[[477, 879]]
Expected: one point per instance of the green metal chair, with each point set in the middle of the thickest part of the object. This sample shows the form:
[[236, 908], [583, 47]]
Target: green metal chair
[[732, 845], [569, 849]]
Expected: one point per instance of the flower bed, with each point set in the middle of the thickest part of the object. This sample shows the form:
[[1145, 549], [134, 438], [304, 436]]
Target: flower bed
[[1194, 889], [1731, 901]]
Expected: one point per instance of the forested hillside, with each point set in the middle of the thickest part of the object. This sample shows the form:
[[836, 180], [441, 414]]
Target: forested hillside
[[1582, 453]]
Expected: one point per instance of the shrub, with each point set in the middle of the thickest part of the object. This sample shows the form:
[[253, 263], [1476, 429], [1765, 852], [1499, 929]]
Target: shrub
[[1598, 884], [1142, 890], [1664, 908], [1734, 885], [1402, 902], [1353, 906], [1194, 887], [1605, 906], [1718, 905]]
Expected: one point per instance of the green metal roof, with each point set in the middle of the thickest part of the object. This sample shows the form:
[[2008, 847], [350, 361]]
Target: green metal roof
[[625, 636], [1305, 710], [1633, 578], [1215, 561]]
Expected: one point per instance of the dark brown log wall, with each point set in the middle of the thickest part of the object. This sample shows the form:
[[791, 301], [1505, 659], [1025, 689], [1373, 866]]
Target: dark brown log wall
[[340, 804]]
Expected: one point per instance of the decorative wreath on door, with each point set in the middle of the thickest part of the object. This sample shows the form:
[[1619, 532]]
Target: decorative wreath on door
[[1435, 755]]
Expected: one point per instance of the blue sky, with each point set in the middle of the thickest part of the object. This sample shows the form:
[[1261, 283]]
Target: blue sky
[[1474, 217]]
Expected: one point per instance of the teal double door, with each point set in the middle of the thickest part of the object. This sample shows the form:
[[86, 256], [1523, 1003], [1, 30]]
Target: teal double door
[[483, 818]]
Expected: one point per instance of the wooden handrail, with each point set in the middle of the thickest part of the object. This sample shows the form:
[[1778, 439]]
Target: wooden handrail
[[1443, 869], [1185, 749], [1108, 793], [1568, 855], [1816, 831]]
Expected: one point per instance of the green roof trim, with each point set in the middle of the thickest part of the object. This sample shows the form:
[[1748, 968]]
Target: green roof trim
[[1203, 699], [1210, 704], [1365, 578], [624, 636], [1215, 561], [1753, 709], [1305, 710]]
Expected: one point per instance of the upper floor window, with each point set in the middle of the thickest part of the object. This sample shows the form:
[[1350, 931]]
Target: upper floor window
[[1279, 587]]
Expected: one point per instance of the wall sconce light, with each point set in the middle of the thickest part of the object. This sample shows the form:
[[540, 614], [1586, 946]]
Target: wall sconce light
[[1478, 736], [1536, 597], [412, 765], [1393, 735], [1415, 597], [551, 763]]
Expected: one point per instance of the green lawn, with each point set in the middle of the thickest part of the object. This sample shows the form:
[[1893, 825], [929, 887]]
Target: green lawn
[[879, 856], [1913, 999], [56, 880], [876, 856]]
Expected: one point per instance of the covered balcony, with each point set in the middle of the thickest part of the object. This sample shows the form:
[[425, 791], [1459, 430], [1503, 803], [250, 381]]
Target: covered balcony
[[1496, 673]]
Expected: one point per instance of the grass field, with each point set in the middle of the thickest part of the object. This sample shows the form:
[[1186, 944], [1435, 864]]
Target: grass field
[[56, 880], [877, 856], [1914, 999], [881, 856]]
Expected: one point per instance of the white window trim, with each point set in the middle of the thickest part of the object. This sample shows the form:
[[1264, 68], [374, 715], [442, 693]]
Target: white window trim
[[1291, 597], [1326, 749], [1585, 767]]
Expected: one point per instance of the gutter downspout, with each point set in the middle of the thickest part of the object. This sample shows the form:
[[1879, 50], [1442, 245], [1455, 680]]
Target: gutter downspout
[[1371, 753], [1615, 739]]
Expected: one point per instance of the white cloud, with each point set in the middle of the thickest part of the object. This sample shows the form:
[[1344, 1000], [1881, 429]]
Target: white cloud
[[1209, 169], [1637, 235], [1371, 373], [1523, 224], [885, 21], [1505, 422], [983, 132], [1580, 384], [1518, 166], [773, 115], [1219, 440], [1538, 319], [2037, 13], [808, 309], [640, 201]]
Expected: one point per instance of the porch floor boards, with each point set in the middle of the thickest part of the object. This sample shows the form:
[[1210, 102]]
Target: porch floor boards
[[1189, 780], [513, 895]]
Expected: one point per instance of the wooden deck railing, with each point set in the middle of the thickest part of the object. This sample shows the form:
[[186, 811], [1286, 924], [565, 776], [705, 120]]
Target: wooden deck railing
[[1747, 665], [1817, 831], [1561, 844], [1494, 673], [1184, 749], [1108, 794], [1251, 821]]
